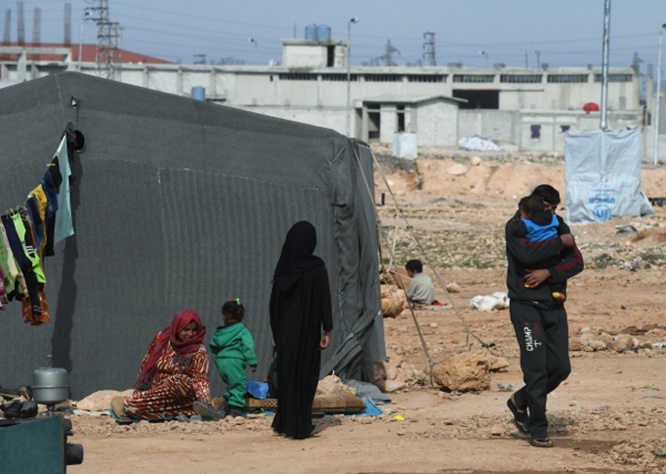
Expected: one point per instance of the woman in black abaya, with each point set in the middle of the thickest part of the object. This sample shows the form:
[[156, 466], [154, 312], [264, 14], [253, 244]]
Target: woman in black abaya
[[300, 308]]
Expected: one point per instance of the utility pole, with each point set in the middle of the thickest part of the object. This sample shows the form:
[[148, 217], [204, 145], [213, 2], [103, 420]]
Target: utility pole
[[351, 22], [604, 65], [658, 101]]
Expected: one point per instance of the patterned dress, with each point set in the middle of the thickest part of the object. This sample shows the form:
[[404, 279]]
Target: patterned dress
[[178, 382]]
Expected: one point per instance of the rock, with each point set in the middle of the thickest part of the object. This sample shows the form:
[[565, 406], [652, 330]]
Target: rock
[[592, 342], [497, 430], [391, 371], [623, 342], [457, 169], [496, 363], [393, 301], [463, 372], [475, 161], [332, 384], [453, 288], [378, 372], [576, 345], [409, 374], [389, 386], [100, 400]]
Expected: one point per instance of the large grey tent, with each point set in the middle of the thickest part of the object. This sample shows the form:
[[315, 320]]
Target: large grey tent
[[179, 203]]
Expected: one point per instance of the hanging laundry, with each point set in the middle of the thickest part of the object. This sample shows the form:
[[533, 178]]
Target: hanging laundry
[[29, 232], [7, 264], [3, 297], [15, 285], [50, 186], [16, 243], [63, 226]]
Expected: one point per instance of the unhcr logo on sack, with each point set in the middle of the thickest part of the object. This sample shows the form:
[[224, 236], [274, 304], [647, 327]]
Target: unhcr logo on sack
[[602, 212], [601, 200]]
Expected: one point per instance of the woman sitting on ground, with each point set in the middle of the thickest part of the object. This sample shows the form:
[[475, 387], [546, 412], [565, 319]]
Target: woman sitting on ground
[[174, 372]]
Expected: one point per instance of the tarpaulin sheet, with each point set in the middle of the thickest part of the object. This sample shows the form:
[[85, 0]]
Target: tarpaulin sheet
[[603, 176]]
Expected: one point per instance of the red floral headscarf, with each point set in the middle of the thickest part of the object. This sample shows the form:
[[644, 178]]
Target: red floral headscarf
[[170, 334]]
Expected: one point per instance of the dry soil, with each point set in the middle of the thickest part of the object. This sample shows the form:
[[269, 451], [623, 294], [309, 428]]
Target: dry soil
[[449, 210]]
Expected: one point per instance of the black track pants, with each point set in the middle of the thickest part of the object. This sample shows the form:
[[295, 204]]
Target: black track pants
[[543, 337]]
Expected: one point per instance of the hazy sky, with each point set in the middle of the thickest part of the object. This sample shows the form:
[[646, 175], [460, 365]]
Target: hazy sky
[[514, 32]]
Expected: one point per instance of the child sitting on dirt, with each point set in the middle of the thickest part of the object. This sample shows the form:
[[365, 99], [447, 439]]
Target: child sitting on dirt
[[538, 224], [420, 289], [233, 349]]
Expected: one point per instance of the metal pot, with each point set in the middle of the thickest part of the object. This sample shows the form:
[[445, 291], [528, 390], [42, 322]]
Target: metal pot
[[50, 385]]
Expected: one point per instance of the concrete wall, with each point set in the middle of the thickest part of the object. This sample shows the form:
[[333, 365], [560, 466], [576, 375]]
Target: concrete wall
[[516, 127], [437, 124]]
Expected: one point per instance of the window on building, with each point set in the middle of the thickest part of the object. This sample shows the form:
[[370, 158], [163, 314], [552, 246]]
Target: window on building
[[336, 77], [428, 78], [614, 77], [535, 131], [564, 128], [481, 99], [291, 76], [521, 78], [567, 78], [382, 77], [473, 77]]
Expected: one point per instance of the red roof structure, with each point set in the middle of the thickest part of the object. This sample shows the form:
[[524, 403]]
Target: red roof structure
[[89, 54]]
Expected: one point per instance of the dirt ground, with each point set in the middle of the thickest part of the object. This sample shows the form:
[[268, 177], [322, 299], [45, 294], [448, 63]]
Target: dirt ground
[[608, 417]]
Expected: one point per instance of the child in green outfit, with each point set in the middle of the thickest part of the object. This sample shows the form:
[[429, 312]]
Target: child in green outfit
[[233, 349]]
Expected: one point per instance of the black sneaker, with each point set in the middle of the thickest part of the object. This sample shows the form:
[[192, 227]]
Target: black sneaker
[[11, 409]]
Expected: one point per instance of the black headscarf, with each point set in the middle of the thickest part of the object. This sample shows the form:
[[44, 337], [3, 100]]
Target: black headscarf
[[297, 255]]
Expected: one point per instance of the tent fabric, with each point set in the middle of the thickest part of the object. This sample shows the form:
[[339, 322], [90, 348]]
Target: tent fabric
[[179, 203], [603, 176]]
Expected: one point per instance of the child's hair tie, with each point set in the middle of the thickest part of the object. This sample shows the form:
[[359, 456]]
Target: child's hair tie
[[238, 301]]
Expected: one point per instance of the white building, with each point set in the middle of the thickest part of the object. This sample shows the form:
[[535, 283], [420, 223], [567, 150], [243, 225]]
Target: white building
[[527, 108]]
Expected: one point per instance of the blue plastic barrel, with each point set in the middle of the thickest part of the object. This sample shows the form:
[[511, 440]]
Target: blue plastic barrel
[[323, 33], [311, 32], [199, 93]]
